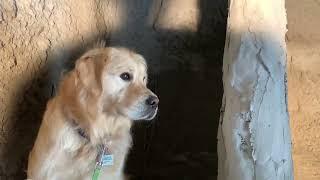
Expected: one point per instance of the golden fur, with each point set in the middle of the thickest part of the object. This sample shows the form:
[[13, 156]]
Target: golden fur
[[94, 98]]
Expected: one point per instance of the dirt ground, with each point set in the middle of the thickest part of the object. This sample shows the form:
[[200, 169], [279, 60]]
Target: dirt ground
[[303, 43]]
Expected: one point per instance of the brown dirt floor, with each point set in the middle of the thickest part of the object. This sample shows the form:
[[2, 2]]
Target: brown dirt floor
[[303, 43]]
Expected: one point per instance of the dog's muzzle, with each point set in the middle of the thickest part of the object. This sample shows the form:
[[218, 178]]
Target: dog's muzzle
[[152, 103]]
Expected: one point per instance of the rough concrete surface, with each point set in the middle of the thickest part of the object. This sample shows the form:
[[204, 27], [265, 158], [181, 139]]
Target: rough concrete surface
[[183, 43], [303, 41], [254, 140]]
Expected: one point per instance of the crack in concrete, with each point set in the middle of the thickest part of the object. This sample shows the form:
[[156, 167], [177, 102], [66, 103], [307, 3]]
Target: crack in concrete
[[260, 60]]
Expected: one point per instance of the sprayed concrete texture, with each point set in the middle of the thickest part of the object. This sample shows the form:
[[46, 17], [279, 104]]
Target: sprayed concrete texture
[[254, 140], [182, 42], [303, 40]]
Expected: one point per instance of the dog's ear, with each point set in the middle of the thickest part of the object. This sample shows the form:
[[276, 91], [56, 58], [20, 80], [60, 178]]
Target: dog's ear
[[89, 72]]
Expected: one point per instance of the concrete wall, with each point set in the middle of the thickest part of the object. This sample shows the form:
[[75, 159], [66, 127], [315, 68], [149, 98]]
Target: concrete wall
[[303, 40], [254, 140]]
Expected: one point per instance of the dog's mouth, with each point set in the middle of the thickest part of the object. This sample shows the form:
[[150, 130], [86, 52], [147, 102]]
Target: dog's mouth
[[152, 114], [145, 113], [149, 114]]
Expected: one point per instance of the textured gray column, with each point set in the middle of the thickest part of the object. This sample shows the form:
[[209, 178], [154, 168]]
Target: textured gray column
[[254, 133]]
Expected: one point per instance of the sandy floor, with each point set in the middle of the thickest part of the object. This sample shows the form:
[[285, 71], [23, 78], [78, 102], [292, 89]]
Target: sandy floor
[[303, 40]]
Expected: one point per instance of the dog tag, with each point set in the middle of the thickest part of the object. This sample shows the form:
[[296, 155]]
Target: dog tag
[[107, 160], [103, 159]]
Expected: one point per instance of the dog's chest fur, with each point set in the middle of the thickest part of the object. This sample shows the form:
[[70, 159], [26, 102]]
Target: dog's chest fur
[[74, 157], [61, 153]]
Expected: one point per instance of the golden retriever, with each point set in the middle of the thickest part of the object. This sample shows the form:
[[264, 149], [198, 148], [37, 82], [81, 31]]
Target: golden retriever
[[85, 132]]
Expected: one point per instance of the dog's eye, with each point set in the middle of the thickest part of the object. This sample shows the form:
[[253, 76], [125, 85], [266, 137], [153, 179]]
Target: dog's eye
[[125, 76]]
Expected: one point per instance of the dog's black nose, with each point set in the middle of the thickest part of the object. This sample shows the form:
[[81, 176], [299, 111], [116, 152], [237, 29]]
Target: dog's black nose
[[152, 101]]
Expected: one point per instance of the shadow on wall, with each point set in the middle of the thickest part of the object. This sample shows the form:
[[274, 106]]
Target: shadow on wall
[[185, 71]]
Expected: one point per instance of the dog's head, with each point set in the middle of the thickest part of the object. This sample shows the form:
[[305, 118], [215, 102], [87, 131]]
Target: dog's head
[[114, 80]]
